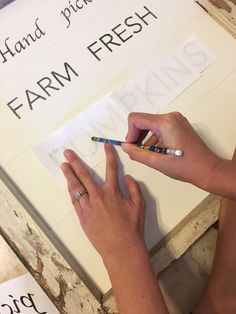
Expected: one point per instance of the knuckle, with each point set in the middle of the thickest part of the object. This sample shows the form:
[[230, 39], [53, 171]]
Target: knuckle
[[66, 170], [172, 119], [74, 202], [97, 197], [177, 114], [130, 116], [83, 173], [74, 186], [131, 155]]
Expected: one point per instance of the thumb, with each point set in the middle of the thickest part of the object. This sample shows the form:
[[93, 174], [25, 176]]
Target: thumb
[[143, 156]]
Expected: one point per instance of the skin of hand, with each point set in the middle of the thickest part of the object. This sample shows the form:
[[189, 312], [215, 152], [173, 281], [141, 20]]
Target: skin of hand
[[171, 130], [115, 226], [121, 219]]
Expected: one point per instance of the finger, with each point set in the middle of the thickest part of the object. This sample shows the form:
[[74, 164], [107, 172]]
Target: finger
[[151, 159], [142, 136], [111, 166], [77, 205], [153, 140], [141, 121], [74, 185], [80, 171], [133, 190]]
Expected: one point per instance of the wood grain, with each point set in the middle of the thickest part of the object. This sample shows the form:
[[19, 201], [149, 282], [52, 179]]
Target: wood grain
[[60, 282], [223, 11]]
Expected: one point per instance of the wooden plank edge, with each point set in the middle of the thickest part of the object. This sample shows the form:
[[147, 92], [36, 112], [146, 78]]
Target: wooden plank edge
[[217, 15], [188, 231], [49, 268], [178, 241]]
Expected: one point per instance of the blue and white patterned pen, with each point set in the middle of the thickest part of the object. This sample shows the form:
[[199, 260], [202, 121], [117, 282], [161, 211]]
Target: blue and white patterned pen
[[160, 150]]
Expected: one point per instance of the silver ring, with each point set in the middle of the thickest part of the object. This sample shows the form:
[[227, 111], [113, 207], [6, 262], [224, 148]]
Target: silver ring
[[80, 194]]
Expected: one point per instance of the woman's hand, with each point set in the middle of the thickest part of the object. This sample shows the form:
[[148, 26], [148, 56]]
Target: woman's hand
[[115, 226], [172, 130], [112, 222]]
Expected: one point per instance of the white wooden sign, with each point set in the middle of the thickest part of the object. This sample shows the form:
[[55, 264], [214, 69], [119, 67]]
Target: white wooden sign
[[58, 61]]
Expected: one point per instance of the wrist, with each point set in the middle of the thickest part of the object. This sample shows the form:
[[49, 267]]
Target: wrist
[[213, 175], [207, 172], [120, 257]]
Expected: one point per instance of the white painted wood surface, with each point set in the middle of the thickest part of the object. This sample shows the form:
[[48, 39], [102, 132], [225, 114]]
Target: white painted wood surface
[[64, 287]]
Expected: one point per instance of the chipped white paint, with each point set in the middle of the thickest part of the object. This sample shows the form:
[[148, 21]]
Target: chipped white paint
[[48, 267], [64, 287], [223, 11]]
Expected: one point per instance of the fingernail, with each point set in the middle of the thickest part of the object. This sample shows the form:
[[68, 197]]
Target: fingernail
[[63, 166], [68, 153], [130, 178]]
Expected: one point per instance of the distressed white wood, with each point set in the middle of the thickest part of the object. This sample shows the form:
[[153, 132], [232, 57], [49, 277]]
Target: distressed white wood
[[186, 233], [64, 287], [223, 11]]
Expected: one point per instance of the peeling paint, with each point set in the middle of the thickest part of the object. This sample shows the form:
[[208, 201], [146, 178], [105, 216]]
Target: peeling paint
[[59, 265], [223, 4]]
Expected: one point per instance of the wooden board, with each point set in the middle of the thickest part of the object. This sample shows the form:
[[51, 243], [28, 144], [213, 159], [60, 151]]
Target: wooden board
[[58, 279], [223, 11]]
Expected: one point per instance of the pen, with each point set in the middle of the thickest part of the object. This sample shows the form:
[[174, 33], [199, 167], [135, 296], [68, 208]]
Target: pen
[[161, 150]]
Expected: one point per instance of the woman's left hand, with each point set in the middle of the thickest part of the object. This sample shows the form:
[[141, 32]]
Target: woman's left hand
[[112, 222]]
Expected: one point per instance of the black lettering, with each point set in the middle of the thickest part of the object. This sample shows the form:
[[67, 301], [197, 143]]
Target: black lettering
[[19, 47], [38, 32], [31, 101], [120, 33], [30, 303], [3, 54], [138, 25], [67, 14], [73, 8], [14, 110], [79, 6], [15, 301], [57, 76], [9, 308], [108, 42], [48, 85], [94, 52], [29, 38], [149, 12], [87, 1]]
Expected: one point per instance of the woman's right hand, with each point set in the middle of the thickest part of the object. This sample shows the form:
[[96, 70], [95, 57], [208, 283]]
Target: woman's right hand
[[171, 130]]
